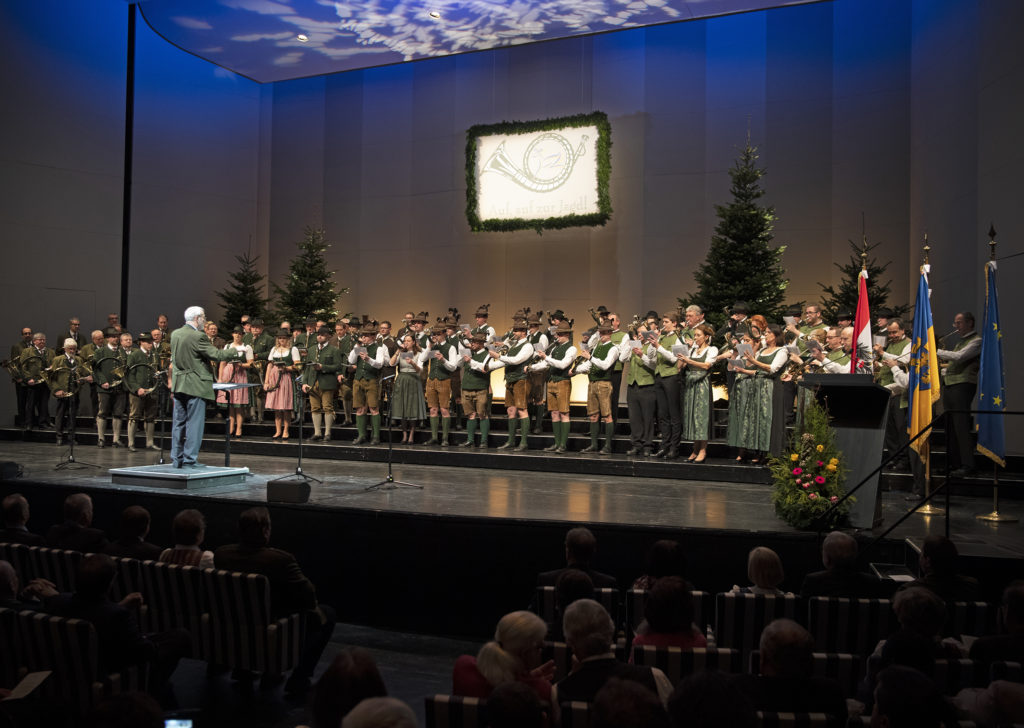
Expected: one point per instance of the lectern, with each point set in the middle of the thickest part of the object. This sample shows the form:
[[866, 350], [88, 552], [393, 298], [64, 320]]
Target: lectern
[[858, 409]]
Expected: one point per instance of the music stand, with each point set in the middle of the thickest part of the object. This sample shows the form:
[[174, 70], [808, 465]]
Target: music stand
[[70, 463], [389, 483], [302, 411], [231, 387]]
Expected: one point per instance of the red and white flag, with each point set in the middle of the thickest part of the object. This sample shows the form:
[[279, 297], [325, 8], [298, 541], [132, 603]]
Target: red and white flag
[[860, 357]]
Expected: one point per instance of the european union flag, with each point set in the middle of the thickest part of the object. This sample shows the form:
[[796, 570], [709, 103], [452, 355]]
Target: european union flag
[[923, 387], [991, 395]]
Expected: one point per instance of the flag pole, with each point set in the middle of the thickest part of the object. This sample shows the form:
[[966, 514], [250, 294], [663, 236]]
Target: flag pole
[[995, 516], [928, 509]]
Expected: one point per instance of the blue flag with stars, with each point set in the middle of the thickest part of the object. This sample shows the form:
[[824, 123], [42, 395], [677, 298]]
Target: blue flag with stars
[[991, 394]]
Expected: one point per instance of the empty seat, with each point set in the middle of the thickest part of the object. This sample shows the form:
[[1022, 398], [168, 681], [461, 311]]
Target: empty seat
[[840, 624]]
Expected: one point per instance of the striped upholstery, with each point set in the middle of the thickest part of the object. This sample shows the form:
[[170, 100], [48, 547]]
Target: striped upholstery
[[176, 599], [1012, 671], [562, 655], [237, 630], [677, 663], [68, 647], [575, 714], [974, 618], [739, 617], [950, 675], [839, 624], [766, 719], [703, 608], [609, 598], [9, 649], [16, 554], [57, 565], [455, 711], [127, 579], [844, 668]]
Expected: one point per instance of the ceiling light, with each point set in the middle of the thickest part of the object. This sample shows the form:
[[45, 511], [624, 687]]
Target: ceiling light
[[435, 15], [302, 38]]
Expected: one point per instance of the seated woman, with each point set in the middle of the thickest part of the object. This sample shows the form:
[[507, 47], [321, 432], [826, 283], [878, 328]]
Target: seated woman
[[352, 677], [764, 569], [513, 654], [189, 528], [668, 617]]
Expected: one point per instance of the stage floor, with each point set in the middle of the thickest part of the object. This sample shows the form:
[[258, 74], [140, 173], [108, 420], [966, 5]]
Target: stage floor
[[520, 496]]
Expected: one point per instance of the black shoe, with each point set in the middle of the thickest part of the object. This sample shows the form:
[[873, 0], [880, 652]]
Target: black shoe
[[359, 440], [375, 441], [662, 452], [60, 440], [606, 450], [522, 447], [647, 452], [559, 450], [913, 497], [590, 448], [467, 443], [432, 441], [672, 454], [316, 438], [633, 452], [444, 442], [483, 444], [551, 448]]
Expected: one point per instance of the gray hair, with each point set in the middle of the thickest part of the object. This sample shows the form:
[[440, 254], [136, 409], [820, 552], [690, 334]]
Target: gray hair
[[380, 713], [694, 308], [588, 628], [839, 549], [192, 313]]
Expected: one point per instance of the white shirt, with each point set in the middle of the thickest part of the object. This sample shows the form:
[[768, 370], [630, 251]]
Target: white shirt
[[376, 361], [525, 354], [970, 351], [604, 364], [449, 361], [549, 361]]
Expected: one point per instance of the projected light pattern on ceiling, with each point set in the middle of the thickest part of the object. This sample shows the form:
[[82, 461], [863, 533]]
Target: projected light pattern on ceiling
[[275, 40]]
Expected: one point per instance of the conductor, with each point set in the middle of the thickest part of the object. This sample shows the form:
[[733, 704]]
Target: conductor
[[192, 385]]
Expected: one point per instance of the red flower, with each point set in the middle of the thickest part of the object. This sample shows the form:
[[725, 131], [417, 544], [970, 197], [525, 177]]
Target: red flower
[[812, 496], [820, 480], [821, 464], [798, 471], [807, 485], [834, 498]]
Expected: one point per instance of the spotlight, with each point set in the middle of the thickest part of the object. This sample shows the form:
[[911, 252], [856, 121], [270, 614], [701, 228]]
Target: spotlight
[[302, 38], [435, 15]]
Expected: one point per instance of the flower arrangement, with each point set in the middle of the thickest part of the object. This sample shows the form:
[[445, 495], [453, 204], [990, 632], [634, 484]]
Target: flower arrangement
[[808, 479]]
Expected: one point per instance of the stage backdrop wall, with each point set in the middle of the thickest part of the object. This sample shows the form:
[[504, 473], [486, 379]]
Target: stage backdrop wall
[[906, 111]]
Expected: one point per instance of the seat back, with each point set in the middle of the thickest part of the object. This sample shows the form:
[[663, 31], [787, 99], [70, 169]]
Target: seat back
[[455, 711], [56, 565], [844, 668], [68, 648], [950, 675], [128, 578], [9, 648], [678, 663], [703, 608], [839, 624], [610, 599], [973, 618], [1001, 670], [575, 714], [740, 617], [768, 719], [175, 598]]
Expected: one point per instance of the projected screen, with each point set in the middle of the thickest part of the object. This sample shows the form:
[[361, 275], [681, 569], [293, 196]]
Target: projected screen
[[545, 174]]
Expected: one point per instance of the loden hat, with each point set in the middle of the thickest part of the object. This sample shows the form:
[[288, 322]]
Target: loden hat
[[110, 331], [482, 311], [558, 314], [144, 336], [563, 328], [605, 329], [324, 331], [479, 337], [741, 307]]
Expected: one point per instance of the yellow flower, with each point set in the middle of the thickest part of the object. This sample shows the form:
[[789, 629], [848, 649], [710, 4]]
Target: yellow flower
[[831, 468], [820, 448], [794, 457], [833, 461]]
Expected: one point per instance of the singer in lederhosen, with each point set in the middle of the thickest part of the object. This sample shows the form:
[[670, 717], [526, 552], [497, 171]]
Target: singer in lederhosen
[[476, 384], [538, 376], [558, 361], [322, 365], [141, 381], [599, 365], [441, 360], [108, 368], [368, 358]]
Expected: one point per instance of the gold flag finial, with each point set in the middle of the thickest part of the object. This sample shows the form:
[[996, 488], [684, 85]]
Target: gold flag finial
[[927, 249], [991, 241], [864, 243]]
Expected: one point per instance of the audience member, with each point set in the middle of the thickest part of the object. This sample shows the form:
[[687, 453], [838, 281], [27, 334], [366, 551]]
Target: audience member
[[290, 590], [668, 617], [905, 698], [513, 655], [786, 683], [76, 532], [572, 584], [1001, 703], [380, 713], [127, 710], [189, 530], [16, 515], [938, 566], [709, 699], [132, 543], [12, 598], [627, 704], [666, 558], [589, 632], [922, 612], [580, 549], [515, 705], [1007, 647], [764, 569], [841, 577], [352, 677]]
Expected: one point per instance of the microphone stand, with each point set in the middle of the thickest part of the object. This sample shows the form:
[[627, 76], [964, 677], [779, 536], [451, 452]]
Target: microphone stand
[[162, 407], [389, 483], [70, 463], [302, 411]]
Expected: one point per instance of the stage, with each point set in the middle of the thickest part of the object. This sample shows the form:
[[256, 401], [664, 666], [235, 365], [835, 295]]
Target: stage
[[450, 557]]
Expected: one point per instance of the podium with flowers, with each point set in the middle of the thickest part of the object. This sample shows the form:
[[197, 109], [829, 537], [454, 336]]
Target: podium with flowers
[[858, 409]]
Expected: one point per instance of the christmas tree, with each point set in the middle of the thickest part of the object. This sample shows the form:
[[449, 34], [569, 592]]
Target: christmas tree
[[309, 290], [742, 264], [244, 294], [846, 297]]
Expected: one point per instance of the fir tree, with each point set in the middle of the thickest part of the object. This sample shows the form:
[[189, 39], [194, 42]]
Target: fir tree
[[309, 290], [846, 296], [244, 294], [742, 264]]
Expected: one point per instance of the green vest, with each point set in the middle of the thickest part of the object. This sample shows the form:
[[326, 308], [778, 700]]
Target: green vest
[[963, 372], [473, 380], [557, 352], [885, 373], [617, 338], [363, 368], [435, 369], [639, 373], [595, 373], [515, 372], [663, 368], [836, 355]]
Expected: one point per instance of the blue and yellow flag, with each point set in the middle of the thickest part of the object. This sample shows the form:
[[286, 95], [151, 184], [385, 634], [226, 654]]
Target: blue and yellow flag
[[923, 388], [991, 394]]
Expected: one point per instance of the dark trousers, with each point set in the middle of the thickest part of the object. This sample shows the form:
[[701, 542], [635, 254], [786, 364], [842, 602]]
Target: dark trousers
[[667, 389], [896, 431], [959, 447], [317, 634], [65, 411], [37, 406], [22, 392], [788, 402], [643, 406], [616, 392]]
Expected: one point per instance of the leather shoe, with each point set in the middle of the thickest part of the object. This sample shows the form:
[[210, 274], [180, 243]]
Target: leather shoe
[[316, 438], [359, 440], [590, 448], [467, 443], [662, 452], [551, 448], [633, 451], [672, 454], [506, 446]]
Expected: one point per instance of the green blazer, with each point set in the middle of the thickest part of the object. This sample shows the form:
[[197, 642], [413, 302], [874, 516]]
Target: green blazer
[[331, 365], [191, 352]]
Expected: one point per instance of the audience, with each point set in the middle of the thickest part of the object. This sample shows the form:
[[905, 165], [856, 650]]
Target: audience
[[572, 584], [380, 713], [127, 710], [12, 598], [668, 617], [15, 522], [513, 655], [589, 632], [666, 558], [764, 569], [1008, 647], [709, 699], [515, 705], [290, 590], [132, 543], [627, 704], [76, 532], [189, 530], [580, 549], [938, 567], [841, 577], [785, 683], [905, 698], [352, 677]]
